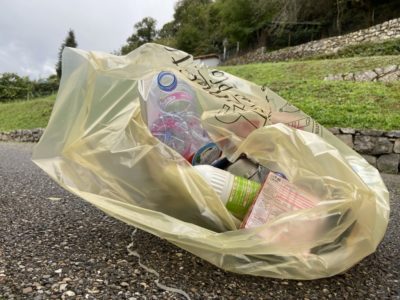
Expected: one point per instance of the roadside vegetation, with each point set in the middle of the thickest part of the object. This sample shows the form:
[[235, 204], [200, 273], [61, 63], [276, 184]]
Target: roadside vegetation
[[211, 26], [29, 114], [208, 26], [372, 105]]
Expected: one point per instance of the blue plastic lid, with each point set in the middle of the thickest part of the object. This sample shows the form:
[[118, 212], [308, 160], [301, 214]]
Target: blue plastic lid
[[167, 81]]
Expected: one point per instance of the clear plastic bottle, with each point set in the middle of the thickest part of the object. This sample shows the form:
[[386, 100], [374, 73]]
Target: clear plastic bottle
[[173, 113]]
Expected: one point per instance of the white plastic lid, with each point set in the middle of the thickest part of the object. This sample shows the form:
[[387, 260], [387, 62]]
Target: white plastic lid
[[220, 180]]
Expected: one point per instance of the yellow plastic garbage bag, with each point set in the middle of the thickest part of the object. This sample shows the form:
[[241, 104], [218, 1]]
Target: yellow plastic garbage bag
[[98, 146]]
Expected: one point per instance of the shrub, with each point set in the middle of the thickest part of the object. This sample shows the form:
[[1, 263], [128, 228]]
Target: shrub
[[14, 87]]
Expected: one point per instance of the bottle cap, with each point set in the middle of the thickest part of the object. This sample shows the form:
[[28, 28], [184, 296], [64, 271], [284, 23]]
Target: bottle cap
[[166, 81]]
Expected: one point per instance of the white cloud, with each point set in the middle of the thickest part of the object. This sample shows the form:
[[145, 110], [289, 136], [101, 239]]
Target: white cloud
[[31, 32], [14, 58]]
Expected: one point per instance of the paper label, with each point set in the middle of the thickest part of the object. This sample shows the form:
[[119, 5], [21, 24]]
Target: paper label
[[276, 197]]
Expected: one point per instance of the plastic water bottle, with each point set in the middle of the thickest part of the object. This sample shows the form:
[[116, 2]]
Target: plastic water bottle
[[173, 114]]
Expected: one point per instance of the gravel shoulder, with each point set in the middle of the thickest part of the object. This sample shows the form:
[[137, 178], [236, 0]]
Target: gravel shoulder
[[53, 245]]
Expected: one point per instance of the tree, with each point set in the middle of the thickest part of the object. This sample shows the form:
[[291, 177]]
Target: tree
[[68, 42], [168, 30], [166, 35], [14, 87], [44, 87], [245, 21], [195, 30], [201, 26], [144, 32]]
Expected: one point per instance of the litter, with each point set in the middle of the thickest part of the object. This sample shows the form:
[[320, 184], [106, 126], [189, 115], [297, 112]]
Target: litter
[[108, 143]]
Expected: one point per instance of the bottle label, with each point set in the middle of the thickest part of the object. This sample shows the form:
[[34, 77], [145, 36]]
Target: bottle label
[[242, 195]]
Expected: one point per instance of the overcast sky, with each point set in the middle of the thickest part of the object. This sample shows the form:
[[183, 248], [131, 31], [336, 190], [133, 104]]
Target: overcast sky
[[31, 31]]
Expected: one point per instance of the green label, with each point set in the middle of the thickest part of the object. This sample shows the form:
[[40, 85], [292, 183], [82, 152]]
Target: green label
[[242, 195]]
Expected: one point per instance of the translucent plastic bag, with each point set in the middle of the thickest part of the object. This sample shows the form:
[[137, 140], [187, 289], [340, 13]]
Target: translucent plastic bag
[[98, 146]]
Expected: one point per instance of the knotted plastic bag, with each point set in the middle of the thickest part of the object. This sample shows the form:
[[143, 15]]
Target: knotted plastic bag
[[98, 146]]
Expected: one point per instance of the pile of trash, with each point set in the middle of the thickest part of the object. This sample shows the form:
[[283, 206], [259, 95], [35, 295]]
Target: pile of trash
[[173, 115], [217, 165]]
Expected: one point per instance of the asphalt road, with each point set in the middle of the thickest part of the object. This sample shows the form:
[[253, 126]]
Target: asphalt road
[[54, 245]]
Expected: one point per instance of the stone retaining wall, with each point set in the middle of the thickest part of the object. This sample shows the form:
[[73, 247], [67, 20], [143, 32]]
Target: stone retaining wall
[[22, 135], [378, 33], [386, 74], [380, 148]]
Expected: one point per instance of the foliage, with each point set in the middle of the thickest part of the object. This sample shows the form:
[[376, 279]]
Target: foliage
[[201, 26], [26, 114], [372, 105], [68, 42], [166, 35], [332, 103], [14, 87], [246, 20], [144, 32], [195, 26], [45, 87]]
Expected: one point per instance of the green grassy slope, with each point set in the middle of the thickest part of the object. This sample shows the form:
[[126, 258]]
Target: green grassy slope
[[26, 114], [371, 105], [332, 103]]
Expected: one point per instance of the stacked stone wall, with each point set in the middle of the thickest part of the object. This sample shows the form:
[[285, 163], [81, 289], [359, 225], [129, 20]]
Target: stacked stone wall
[[22, 135], [380, 148], [386, 74], [378, 33]]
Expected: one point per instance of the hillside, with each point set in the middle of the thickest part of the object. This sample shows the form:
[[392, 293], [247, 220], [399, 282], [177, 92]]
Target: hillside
[[332, 103], [381, 39], [371, 105], [34, 113]]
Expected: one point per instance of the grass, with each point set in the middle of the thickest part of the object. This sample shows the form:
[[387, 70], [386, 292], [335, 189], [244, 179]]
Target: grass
[[29, 114], [369, 105]]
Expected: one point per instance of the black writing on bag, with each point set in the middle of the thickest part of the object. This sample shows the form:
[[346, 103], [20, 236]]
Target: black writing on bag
[[236, 107]]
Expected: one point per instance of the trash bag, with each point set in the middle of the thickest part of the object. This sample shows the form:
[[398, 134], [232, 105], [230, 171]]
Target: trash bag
[[98, 146]]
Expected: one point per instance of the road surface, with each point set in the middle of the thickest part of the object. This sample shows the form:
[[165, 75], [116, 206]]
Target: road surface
[[54, 245]]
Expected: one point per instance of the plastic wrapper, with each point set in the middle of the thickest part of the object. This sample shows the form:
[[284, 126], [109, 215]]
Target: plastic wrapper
[[98, 146]]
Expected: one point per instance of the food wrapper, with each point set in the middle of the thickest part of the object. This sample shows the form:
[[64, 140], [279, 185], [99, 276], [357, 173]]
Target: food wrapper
[[98, 147]]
